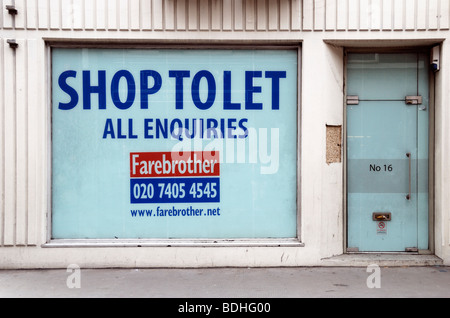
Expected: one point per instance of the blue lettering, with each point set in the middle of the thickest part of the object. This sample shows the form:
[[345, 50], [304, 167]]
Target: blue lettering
[[161, 128], [119, 129], [145, 90], [179, 75], [203, 89], [68, 89], [275, 76], [227, 104], [241, 125], [130, 129], [178, 134], [231, 128], [148, 127], [115, 89], [250, 89], [89, 89], [211, 90], [211, 125], [109, 129]]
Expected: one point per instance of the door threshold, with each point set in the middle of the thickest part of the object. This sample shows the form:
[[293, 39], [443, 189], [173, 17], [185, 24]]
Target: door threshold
[[383, 259]]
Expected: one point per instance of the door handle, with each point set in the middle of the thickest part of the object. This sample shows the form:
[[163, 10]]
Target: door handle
[[408, 196]]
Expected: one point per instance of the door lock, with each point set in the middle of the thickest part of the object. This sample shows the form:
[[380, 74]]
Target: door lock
[[413, 100], [381, 216]]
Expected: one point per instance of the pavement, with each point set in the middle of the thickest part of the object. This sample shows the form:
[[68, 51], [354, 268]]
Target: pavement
[[229, 283]]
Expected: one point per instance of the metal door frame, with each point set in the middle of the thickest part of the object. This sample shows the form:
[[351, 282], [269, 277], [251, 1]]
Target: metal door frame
[[431, 133]]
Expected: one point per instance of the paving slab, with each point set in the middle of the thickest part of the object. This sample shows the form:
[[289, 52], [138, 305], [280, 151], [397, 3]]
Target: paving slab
[[298, 282]]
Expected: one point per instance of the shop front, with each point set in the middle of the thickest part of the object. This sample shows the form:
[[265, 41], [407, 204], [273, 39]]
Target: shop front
[[224, 133]]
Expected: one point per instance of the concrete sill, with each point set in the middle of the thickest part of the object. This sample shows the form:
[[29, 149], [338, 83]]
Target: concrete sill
[[382, 259], [72, 243]]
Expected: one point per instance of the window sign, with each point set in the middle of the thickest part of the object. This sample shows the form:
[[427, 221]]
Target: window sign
[[185, 143]]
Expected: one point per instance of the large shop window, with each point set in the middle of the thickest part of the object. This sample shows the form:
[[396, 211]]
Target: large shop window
[[174, 143]]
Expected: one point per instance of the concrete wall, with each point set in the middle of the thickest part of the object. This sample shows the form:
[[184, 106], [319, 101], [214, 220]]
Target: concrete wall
[[323, 28]]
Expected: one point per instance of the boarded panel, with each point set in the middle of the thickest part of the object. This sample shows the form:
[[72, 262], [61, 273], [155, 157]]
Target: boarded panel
[[334, 144]]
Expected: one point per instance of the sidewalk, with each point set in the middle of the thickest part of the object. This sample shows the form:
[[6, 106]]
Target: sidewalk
[[311, 282]]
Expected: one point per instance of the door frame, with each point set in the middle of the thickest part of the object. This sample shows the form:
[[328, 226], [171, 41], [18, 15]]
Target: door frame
[[431, 143]]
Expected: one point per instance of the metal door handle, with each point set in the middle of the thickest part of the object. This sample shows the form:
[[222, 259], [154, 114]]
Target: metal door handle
[[408, 196]]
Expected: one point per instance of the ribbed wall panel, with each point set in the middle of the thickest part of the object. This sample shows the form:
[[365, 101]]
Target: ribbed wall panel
[[228, 15], [23, 81], [22, 119]]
